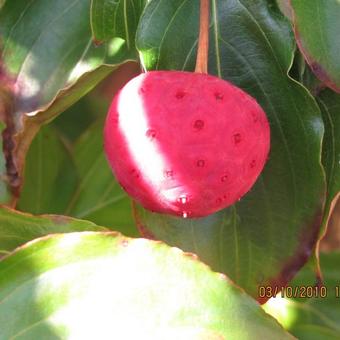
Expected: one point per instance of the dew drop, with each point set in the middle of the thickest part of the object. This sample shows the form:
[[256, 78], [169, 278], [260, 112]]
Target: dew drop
[[150, 133], [182, 199], [237, 138], [180, 94], [199, 124], [253, 164], [224, 178], [185, 214], [218, 96], [200, 163]]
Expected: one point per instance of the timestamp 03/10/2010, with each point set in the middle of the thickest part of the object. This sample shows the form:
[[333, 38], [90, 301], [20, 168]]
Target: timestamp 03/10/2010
[[298, 292]]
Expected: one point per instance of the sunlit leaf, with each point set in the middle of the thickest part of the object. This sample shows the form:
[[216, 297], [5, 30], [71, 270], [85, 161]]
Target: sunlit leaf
[[104, 286], [314, 312]]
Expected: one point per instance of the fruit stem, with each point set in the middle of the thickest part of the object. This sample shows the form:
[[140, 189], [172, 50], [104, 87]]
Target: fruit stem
[[203, 40]]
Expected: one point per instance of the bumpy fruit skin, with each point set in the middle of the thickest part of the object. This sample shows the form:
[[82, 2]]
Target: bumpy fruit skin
[[184, 143]]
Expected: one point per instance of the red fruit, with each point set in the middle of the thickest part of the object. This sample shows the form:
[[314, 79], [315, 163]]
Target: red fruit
[[183, 143]]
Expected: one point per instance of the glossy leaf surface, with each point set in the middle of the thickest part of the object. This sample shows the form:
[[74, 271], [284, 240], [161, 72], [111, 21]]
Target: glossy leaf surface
[[47, 47]]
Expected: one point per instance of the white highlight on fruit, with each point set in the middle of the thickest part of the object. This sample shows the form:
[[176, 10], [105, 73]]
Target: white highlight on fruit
[[183, 199], [147, 155]]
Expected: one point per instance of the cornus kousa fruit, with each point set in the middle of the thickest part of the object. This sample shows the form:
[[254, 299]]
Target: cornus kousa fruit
[[183, 143]]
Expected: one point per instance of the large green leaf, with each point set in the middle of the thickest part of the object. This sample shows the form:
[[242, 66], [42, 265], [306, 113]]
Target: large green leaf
[[104, 286], [98, 197], [17, 228], [266, 237], [317, 28], [317, 316], [111, 19], [50, 175]]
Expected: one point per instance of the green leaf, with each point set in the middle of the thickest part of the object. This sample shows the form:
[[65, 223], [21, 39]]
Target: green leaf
[[317, 28], [75, 181], [102, 285], [98, 197], [267, 236], [329, 103], [110, 18], [317, 316], [50, 175], [17, 228]]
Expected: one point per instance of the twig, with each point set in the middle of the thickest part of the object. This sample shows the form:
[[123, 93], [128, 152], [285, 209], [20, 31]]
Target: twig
[[203, 40]]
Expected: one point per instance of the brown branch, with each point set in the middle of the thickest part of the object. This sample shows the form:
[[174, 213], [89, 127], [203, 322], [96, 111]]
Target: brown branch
[[203, 40]]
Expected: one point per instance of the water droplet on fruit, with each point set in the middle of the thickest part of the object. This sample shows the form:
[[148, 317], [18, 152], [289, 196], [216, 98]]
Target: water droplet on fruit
[[199, 124], [224, 178], [185, 214], [237, 138], [182, 199], [180, 94], [218, 96], [150, 133], [200, 163], [253, 163]]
